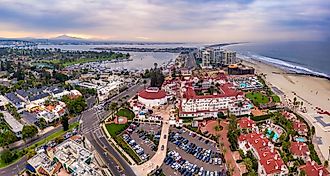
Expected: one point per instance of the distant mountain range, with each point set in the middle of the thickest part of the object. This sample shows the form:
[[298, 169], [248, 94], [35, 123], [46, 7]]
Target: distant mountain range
[[66, 37], [71, 40]]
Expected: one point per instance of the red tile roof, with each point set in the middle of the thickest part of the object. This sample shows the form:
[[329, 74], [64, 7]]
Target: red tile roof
[[152, 93], [245, 122], [226, 91], [299, 149], [269, 159], [299, 126], [313, 169]]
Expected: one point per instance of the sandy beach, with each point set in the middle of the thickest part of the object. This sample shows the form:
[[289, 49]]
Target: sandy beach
[[313, 91]]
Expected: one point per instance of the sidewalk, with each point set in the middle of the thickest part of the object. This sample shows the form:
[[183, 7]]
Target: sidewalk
[[230, 161]]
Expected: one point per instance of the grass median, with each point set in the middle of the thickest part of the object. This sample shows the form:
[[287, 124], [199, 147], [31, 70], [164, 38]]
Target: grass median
[[115, 131]]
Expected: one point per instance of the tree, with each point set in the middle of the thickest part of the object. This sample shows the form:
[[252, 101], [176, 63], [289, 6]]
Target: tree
[[7, 137], [248, 163], [29, 131], [1, 117], [302, 173], [326, 163], [65, 123], [7, 156], [114, 106], [42, 123]]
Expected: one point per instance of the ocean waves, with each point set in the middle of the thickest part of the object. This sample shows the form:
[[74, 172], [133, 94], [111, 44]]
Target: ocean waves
[[286, 65]]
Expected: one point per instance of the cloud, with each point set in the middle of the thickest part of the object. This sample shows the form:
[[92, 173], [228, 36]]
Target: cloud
[[169, 20]]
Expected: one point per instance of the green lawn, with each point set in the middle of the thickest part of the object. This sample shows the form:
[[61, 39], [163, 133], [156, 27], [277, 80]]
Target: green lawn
[[126, 113], [257, 98], [276, 99], [116, 129], [38, 144]]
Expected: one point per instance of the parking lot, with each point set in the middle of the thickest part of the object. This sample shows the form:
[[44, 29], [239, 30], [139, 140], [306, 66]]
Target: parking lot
[[191, 154], [143, 139]]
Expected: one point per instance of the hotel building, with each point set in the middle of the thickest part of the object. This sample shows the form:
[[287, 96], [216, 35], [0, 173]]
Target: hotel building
[[195, 103]]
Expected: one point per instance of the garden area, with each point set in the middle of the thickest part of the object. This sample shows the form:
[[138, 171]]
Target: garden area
[[257, 98], [124, 112]]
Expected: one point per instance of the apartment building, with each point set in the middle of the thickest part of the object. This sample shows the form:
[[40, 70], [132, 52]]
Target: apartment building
[[215, 57], [75, 158]]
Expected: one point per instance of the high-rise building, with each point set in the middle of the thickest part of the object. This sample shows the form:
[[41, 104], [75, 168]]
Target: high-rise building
[[215, 57]]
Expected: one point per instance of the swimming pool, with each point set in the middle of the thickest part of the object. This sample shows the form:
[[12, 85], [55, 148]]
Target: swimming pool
[[275, 135], [242, 85], [250, 106], [301, 139]]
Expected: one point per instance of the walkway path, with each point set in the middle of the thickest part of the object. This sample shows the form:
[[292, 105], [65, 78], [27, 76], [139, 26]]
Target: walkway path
[[157, 160], [230, 161]]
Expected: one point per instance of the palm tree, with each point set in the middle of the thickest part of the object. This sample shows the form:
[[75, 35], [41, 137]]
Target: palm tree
[[1, 117]]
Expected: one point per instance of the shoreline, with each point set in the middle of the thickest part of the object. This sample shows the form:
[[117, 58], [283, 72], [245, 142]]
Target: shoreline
[[312, 90]]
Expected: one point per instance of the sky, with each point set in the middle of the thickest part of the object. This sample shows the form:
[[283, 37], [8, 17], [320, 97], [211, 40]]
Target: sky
[[168, 20]]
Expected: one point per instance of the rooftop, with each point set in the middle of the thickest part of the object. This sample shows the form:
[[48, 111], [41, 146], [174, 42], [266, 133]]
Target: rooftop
[[246, 122], [12, 122], [313, 169], [152, 93], [299, 149]]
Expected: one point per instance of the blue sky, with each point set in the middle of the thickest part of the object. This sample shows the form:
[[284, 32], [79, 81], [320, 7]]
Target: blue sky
[[168, 20]]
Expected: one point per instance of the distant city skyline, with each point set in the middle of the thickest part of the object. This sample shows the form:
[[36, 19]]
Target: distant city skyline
[[168, 20]]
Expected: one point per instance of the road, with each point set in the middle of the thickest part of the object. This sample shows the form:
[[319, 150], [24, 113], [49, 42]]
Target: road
[[21, 144], [15, 168], [91, 130], [90, 125], [191, 61]]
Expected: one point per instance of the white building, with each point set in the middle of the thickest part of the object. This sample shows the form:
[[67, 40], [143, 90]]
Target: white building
[[75, 158], [194, 105], [152, 96], [215, 57], [14, 125]]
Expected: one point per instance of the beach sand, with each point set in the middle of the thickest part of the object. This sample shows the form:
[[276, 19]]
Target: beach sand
[[313, 91]]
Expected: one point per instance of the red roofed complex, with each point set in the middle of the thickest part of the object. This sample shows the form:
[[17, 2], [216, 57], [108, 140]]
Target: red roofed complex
[[299, 150], [300, 127], [270, 162], [152, 96], [246, 122], [198, 101], [313, 169]]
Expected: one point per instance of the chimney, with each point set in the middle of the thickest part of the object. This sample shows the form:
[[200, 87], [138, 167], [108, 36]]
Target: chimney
[[300, 147], [268, 162], [275, 157], [320, 172], [313, 163]]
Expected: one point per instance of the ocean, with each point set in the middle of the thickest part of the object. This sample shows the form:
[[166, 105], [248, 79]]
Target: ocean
[[300, 57]]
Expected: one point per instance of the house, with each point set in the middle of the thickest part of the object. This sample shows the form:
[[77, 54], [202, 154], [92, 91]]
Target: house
[[3, 102], [299, 150], [246, 123], [300, 127], [313, 169], [41, 164], [15, 100], [270, 162]]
